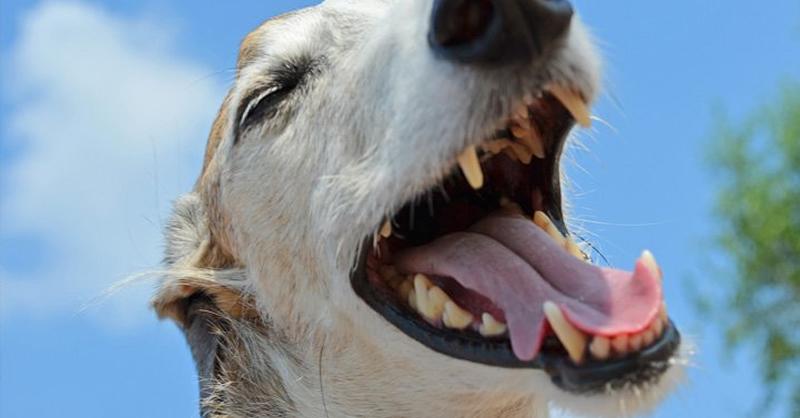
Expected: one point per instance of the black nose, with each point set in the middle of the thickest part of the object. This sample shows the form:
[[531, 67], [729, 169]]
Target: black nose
[[497, 31]]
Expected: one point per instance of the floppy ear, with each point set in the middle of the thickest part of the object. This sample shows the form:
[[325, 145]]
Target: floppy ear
[[196, 267]]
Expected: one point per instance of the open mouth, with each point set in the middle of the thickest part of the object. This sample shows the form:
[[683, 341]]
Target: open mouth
[[482, 267]]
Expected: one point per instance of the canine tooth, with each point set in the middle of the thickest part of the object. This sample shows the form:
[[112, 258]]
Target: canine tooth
[[620, 344], [635, 342], [574, 103], [386, 229], [543, 221], [471, 167], [455, 317], [573, 340], [491, 327], [575, 250], [600, 348], [436, 301], [650, 262]]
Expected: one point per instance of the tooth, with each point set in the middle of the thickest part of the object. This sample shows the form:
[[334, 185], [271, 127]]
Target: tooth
[[600, 348], [648, 337], [574, 103], [471, 167], [422, 281], [386, 229], [620, 344], [650, 262], [658, 327], [575, 250], [455, 317], [436, 301], [635, 342], [663, 313], [543, 221], [421, 286], [572, 339], [412, 300], [491, 327]]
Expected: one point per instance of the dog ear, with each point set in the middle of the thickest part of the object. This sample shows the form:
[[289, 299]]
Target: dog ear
[[195, 265]]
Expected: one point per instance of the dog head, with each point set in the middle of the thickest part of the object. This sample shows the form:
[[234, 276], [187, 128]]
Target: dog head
[[384, 178]]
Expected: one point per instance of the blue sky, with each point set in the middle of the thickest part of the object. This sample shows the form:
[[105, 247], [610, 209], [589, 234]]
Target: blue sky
[[105, 106]]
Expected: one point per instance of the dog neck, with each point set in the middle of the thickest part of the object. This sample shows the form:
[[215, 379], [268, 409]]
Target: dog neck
[[346, 377]]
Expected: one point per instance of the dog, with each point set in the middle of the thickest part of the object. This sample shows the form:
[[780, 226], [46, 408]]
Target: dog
[[379, 229]]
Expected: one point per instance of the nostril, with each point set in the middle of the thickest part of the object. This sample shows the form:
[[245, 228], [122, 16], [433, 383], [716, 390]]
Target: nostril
[[461, 22]]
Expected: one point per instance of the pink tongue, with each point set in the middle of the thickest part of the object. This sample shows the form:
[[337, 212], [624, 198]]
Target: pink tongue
[[518, 266]]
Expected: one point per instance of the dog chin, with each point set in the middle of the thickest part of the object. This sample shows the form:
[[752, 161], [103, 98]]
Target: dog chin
[[631, 400]]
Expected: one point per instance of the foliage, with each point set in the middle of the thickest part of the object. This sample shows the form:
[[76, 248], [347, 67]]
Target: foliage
[[758, 211]]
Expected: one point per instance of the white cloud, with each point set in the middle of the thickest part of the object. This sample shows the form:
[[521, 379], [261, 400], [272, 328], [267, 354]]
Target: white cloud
[[111, 122]]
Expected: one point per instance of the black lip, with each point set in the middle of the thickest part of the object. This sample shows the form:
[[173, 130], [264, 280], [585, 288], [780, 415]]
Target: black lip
[[592, 377]]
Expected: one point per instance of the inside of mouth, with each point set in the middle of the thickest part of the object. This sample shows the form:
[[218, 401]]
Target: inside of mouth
[[495, 260]]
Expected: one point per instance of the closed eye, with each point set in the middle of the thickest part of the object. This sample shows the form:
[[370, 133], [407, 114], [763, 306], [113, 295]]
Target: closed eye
[[263, 103]]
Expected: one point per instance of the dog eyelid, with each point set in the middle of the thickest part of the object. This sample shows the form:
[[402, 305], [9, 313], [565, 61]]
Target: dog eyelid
[[251, 104]]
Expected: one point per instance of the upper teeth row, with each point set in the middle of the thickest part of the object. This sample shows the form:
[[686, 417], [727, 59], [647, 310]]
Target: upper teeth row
[[530, 142]]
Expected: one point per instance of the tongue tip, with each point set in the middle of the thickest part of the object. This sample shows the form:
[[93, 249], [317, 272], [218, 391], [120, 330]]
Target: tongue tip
[[643, 285]]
